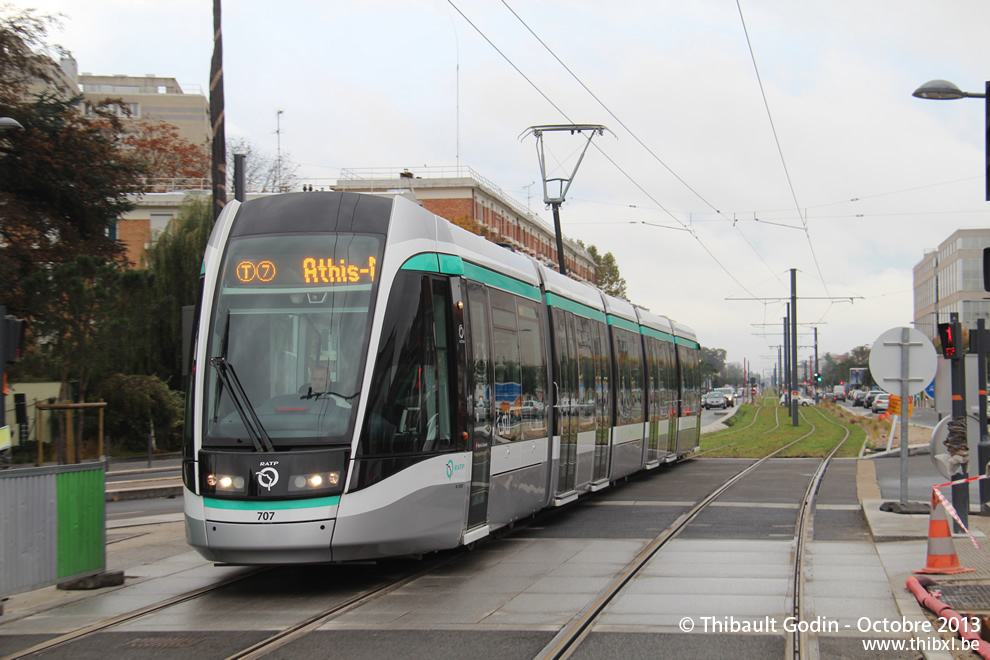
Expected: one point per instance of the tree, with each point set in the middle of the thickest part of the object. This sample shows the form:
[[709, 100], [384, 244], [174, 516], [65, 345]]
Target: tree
[[262, 173], [25, 55], [165, 155], [63, 184], [607, 277], [176, 260], [712, 362], [70, 304]]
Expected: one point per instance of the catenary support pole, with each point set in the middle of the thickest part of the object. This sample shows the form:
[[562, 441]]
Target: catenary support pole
[[794, 351]]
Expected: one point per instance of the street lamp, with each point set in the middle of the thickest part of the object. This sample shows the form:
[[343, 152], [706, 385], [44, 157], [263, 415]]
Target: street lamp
[[943, 90], [6, 123]]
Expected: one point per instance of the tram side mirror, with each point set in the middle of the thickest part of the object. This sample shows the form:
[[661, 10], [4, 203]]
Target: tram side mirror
[[986, 269]]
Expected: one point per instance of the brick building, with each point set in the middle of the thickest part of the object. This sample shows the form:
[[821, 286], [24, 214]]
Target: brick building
[[464, 197]]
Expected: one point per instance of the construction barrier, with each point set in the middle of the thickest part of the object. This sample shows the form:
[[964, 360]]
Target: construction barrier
[[52, 525]]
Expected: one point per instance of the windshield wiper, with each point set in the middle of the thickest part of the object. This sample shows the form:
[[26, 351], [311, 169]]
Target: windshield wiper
[[259, 437]]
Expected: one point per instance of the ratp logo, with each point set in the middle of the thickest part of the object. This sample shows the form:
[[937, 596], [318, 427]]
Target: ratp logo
[[452, 468]]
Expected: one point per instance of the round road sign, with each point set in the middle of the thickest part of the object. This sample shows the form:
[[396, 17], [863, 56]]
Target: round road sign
[[886, 358]]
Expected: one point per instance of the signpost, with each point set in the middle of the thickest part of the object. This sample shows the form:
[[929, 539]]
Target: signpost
[[903, 362]]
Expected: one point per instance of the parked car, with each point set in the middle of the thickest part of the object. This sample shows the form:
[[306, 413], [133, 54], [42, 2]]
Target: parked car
[[805, 401], [881, 403], [714, 399]]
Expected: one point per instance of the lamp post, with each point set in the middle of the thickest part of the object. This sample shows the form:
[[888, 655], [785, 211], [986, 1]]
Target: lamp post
[[943, 90]]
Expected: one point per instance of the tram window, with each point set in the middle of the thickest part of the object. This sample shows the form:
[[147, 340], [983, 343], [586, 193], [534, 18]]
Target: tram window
[[533, 370], [603, 372], [410, 387], [629, 385], [586, 375], [274, 331]]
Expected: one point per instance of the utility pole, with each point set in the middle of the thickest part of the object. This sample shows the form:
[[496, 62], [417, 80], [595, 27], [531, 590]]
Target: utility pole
[[218, 170], [787, 354], [278, 151], [793, 315], [563, 183]]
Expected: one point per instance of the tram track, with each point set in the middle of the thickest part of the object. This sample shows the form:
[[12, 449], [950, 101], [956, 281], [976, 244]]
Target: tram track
[[570, 637], [276, 640], [776, 426], [804, 645]]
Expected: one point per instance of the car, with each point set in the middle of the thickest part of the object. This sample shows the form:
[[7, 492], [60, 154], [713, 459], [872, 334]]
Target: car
[[714, 399], [859, 397], [870, 397], [881, 403], [805, 401], [531, 409], [729, 394]]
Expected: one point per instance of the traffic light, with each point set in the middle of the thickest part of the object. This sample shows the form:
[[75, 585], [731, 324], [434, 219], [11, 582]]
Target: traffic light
[[13, 339], [818, 377], [947, 339]]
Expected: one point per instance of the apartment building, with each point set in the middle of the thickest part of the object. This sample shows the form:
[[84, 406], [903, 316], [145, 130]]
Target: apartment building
[[949, 279]]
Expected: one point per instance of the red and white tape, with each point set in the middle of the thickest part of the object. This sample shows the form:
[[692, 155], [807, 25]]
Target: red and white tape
[[951, 510]]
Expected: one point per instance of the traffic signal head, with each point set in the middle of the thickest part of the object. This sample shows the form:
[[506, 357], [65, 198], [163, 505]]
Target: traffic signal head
[[13, 339], [818, 377], [948, 339]]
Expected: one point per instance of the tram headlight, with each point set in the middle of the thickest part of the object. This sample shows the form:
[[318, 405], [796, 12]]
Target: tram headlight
[[225, 483], [312, 482]]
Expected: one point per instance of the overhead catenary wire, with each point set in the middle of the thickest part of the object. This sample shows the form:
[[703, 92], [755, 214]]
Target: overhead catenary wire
[[565, 116], [780, 151], [642, 144]]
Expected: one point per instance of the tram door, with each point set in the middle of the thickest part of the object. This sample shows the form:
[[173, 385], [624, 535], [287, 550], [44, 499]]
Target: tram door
[[565, 408], [482, 391]]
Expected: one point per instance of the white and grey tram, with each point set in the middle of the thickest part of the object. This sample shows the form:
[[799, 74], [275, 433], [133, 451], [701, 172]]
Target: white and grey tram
[[370, 380]]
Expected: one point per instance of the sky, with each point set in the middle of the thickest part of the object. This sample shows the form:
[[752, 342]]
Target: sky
[[754, 137]]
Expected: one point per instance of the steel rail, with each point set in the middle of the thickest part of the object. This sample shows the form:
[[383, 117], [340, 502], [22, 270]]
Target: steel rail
[[86, 631], [574, 631], [804, 646], [776, 426]]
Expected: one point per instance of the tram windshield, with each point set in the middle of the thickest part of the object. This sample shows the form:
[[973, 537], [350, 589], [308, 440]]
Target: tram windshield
[[288, 340]]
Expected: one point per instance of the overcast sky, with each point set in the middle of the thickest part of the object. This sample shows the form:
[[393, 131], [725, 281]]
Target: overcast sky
[[865, 178]]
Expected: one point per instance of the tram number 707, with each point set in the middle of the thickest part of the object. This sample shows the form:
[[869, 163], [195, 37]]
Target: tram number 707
[[266, 515]]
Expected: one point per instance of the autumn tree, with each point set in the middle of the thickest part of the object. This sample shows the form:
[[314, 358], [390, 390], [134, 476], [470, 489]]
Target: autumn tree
[[63, 184], [64, 178], [165, 155]]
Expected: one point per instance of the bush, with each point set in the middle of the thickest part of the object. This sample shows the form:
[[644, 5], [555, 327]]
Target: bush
[[134, 400]]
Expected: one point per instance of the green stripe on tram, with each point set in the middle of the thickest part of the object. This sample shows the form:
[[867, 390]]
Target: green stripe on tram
[[623, 323], [657, 334], [428, 261], [686, 342], [281, 505], [575, 307], [449, 264]]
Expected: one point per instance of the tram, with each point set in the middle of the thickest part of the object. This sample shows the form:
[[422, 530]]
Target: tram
[[370, 380]]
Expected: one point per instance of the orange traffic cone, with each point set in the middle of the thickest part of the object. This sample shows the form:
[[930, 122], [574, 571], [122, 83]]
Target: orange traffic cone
[[942, 557]]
